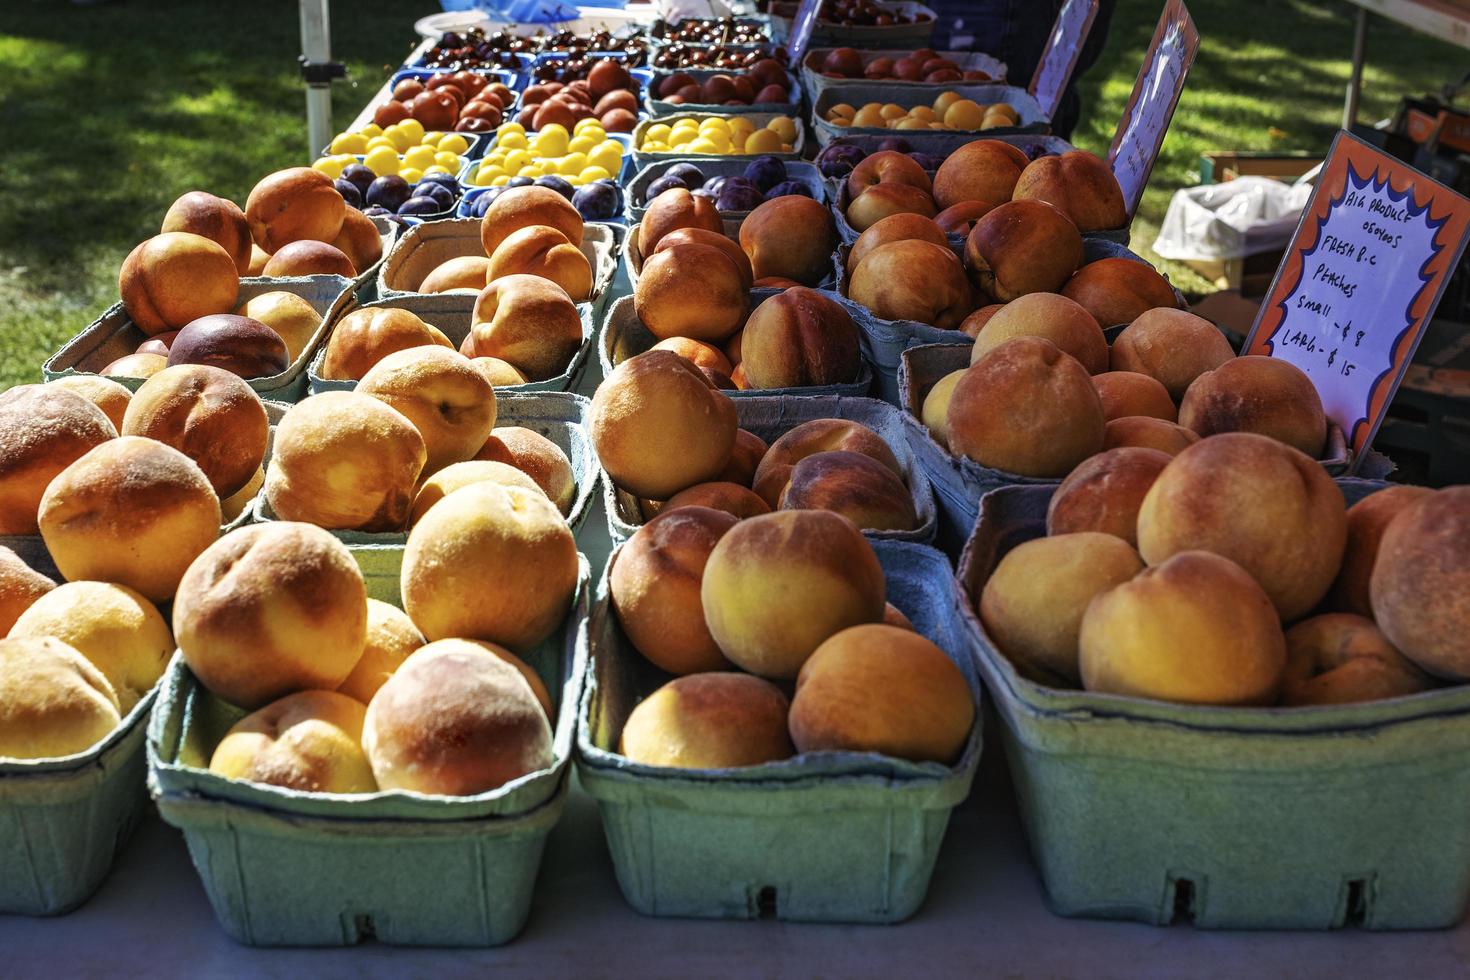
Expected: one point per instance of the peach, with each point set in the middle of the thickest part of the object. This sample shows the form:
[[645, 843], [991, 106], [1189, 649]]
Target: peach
[[310, 741], [659, 426], [958, 219], [654, 586], [1078, 182], [528, 321], [701, 236], [207, 414], [536, 456], [674, 209], [391, 637], [810, 438], [457, 475], [984, 170], [258, 258], [745, 459], [173, 278], [294, 205], [455, 720], [1023, 247], [53, 702], [976, 321], [1366, 521], [1420, 587], [858, 487], [237, 344], [1119, 290], [271, 609], [231, 507], [364, 337], [800, 338], [105, 393], [133, 512], [1052, 317], [1264, 395], [1033, 602], [792, 237], [692, 290], [1269, 508], [1195, 629], [441, 393], [879, 688], [309, 258], [20, 587], [136, 366], [894, 617], [1126, 393], [900, 227], [1149, 433], [1172, 346], [359, 240], [215, 218], [293, 319], [1026, 408], [1105, 492], [777, 586], [521, 207], [698, 353], [500, 373], [934, 412], [464, 272], [885, 200], [1340, 658], [345, 461], [716, 720], [540, 250], [913, 280], [735, 500], [887, 167], [43, 430], [490, 562]]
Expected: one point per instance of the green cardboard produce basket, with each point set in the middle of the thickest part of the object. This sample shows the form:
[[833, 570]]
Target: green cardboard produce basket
[[64, 820], [772, 417], [960, 483], [286, 868], [113, 335], [557, 415], [1229, 818], [453, 314], [824, 837]]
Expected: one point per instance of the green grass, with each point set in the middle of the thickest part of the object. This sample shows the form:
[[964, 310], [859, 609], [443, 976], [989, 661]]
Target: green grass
[[110, 112]]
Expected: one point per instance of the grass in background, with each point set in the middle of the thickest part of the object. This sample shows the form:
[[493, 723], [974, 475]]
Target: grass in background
[[111, 112]]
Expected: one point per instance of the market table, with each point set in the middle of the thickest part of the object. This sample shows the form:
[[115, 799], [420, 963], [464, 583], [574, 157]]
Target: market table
[[1445, 20], [985, 916]]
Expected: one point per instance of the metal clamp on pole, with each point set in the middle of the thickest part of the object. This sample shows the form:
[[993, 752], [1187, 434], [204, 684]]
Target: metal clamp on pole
[[321, 73]]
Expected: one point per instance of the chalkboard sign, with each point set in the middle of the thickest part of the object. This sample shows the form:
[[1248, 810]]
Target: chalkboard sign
[[1375, 247]]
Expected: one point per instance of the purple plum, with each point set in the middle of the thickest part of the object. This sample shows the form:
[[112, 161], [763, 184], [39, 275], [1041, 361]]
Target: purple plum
[[438, 192], [839, 159], [446, 180], [518, 182], [598, 201], [558, 184], [926, 160], [667, 182], [420, 206], [739, 194], [714, 184], [765, 172], [691, 175], [482, 203], [349, 192], [359, 176], [389, 192], [788, 187], [896, 143]]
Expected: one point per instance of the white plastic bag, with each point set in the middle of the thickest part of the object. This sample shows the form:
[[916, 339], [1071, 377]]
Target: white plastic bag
[[1240, 217]]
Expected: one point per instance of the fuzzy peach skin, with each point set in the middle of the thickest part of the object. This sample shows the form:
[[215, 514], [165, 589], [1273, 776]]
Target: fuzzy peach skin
[[364, 337], [20, 587], [703, 236], [455, 720], [536, 456], [1340, 658], [538, 686], [270, 609], [1267, 507], [792, 237], [309, 258], [105, 393], [43, 430], [528, 321], [659, 426], [745, 459], [714, 720], [912, 280], [119, 631], [1119, 290], [521, 207], [1033, 602], [457, 475], [691, 290], [778, 585], [359, 240], [858, 487], [654, 586], [540, 250], [698, 353], [499, 373], [934, 412], [290, 316], [1050, 316], [441, 393], [1148, 433], [894, 617], [1366, 521], [1171, 346], [293, 205], [1420, 589], [1078, 182], [345, 461], [464, 272], [175, 277], [1023, 247], [490, 562], [735, 500], [1105, 492], [884, 201], [1128, 393], [884, 689], [817, 436], [1195, 629], [674, 209], [800, 338], [1258, 394], [53, 702], [391, 637], [215, 218], [1026, 408], [983, 170], [132, 511], [309, 741], [208, 414]]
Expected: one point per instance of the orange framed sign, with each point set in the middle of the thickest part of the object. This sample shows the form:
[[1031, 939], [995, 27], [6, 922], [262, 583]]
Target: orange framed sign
[[1377, 243], [1140, 133], [1063, 48]]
